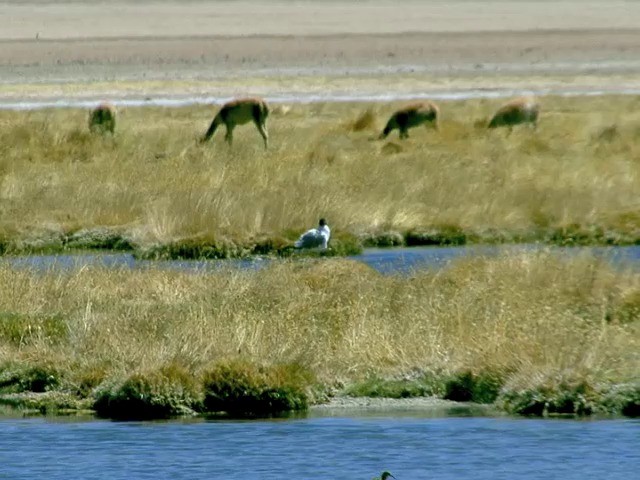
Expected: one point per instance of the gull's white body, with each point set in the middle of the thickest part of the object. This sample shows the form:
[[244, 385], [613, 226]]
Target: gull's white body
[[314, 238]]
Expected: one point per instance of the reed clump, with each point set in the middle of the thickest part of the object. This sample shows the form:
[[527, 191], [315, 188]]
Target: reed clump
[[545, 395], [167, 392], [246, 389], [36, 377], [534, 332], [572, 181]]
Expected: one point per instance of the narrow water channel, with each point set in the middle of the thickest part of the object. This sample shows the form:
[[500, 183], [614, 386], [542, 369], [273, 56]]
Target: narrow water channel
[[385, 260]]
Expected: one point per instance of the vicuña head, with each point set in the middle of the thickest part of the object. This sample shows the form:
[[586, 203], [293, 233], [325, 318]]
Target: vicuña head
[[515, 112], [239, 112], [426, 113], [103, 118]]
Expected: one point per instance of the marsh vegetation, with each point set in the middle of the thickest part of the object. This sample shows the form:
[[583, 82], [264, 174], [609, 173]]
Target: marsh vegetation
[[534, 333], [153, 187]]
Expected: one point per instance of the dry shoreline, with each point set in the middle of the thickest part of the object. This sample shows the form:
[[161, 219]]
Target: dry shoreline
[[74, 19], [564, 53], [59, 42]]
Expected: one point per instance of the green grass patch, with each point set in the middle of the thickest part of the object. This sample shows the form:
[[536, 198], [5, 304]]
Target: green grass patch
[[199, 248], [97, 239], [467, 386], [28, 377], [46, 403], [168, 392], [439, 235], [376, 387], [575, 234], [460, 387], [623, 399], [242, 389], [387, 238], [572, 397], [24, 328]]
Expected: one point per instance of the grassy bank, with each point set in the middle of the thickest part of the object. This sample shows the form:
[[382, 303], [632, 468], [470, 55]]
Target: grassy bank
[[152, 188], [533, 333]]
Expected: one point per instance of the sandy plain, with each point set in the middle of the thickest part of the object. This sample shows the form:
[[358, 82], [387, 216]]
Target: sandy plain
[[68, 49]]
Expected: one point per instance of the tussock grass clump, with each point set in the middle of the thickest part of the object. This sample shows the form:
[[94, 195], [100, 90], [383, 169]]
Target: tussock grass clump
[[243, 389], [627, 308], [343, 244], [464, 386], [193, 248], [468, 386], [623, 399], [97, 239], [34, 377], [388, 238], [366, 120], [269, 245], [51, 241], [574, 234], [551, 395], [440, 235], [391, 148], [377, 387], [168, 392], [607, 134], [46, 403]]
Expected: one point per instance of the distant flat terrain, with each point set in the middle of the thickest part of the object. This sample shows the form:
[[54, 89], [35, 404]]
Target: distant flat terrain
[[52, 41], [118, 19]]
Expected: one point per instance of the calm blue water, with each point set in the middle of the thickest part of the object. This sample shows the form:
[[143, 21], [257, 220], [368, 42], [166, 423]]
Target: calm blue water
[[322, 448], [385, 260]]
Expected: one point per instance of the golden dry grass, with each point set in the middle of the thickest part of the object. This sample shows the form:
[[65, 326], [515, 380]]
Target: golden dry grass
[[579, 170], [523, 315]]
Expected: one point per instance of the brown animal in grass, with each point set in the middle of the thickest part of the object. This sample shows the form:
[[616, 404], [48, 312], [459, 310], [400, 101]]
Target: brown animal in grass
[[515, 112], [103, 118], [239, 112], [413, 115]]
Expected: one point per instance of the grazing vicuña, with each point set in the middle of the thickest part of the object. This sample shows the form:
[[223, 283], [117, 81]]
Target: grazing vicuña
[[520, 110], [411, 116], [103, 118], [239, 112]]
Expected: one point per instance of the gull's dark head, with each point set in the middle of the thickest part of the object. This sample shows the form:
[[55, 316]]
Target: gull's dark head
[[322, 222]]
